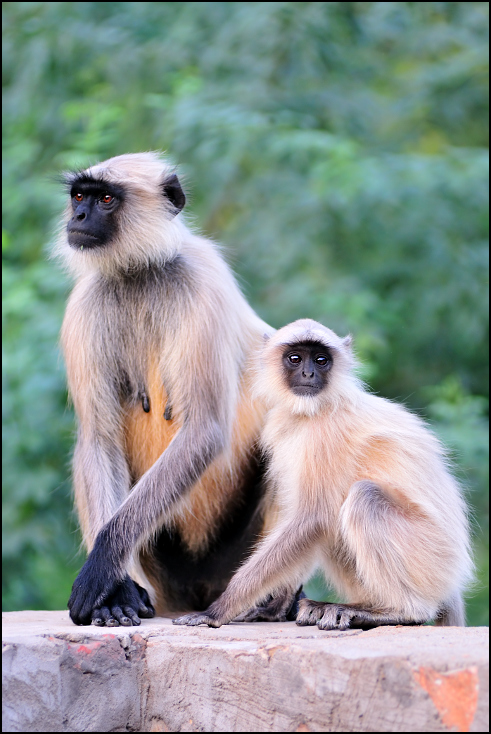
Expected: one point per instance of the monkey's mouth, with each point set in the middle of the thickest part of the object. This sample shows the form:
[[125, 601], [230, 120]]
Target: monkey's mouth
[[82, 240]]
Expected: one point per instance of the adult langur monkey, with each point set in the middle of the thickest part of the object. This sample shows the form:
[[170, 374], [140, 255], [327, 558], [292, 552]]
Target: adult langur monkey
[[364, 491], [157, 338]]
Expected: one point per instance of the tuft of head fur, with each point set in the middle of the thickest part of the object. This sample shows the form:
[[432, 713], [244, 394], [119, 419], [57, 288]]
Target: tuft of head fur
[[271, 385], [148, 229]]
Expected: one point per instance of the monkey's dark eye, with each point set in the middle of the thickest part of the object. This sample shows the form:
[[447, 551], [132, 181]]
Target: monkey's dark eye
[[106, 199], [321, 360], [78, 197], [295, 358]]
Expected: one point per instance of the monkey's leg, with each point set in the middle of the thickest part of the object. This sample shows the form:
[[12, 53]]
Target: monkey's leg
[[282, 557], [394, 553], [281, 607], [329, 616]]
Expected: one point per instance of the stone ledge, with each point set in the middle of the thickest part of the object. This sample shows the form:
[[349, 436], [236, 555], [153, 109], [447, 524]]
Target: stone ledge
[[241, 677]]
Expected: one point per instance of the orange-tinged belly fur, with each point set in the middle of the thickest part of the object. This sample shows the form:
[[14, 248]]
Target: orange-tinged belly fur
[[147, 435]]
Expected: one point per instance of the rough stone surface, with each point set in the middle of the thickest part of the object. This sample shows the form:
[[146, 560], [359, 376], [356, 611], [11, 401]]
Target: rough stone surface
[[241, 677]]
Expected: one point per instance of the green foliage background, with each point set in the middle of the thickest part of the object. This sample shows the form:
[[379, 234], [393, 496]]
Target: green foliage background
[[339, 149]]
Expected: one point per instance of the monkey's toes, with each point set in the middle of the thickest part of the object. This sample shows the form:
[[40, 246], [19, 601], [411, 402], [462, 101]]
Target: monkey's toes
[[337, 617], [309, 612]]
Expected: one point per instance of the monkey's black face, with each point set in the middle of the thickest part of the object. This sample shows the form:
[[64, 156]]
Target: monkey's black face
[[94, 205], [306, 367]]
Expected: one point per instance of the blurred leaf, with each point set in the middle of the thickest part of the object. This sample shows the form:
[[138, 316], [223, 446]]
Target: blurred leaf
[[339, 149]]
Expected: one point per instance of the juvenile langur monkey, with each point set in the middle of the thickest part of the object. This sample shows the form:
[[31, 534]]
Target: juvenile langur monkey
[[364, 492], [157, 338]]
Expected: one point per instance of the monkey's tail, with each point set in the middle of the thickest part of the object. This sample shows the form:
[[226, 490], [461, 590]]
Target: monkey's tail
[[452, 613]]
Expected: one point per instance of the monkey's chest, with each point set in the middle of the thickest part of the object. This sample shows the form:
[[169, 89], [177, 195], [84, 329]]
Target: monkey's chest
[[148, 426], [314, 469]]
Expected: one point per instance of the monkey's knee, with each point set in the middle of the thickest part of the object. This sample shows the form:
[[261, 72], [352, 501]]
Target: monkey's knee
[[366, 501], [372, 521]]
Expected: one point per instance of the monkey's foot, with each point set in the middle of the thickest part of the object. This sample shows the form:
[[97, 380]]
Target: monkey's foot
[[347, 616], [280, 608], [196, 618]]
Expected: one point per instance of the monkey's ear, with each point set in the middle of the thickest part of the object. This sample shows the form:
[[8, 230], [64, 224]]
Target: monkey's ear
[[348, 342], [173, 191]]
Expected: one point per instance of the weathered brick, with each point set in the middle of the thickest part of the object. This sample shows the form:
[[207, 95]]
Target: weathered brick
[[241, 677]]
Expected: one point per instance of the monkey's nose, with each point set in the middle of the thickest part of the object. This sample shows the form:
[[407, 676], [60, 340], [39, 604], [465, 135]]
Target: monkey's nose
[[81, 216]]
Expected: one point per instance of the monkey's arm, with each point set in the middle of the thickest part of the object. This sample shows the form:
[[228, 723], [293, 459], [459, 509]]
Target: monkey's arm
[[279, 562], [101, 475], [185, 459], [101, 481]]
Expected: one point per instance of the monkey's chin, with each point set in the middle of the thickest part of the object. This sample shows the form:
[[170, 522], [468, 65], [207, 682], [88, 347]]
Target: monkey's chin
[[306, 391]]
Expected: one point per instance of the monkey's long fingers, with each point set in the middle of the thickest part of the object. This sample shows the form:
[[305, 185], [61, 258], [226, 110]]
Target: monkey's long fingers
[[309, 612], [145, 608], [193, 620], [80, 610], [146, 612], [345, 619], [133, 616], [340, 617], [103, 616], [124, 618], [97, 618], [331, 617]]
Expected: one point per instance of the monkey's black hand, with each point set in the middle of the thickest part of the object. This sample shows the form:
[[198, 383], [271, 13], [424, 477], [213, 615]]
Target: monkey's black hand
[[99, 596], [196, 618], [95, 583]]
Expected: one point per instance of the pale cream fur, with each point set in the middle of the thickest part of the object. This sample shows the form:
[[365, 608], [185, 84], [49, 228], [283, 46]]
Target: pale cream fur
[[415, 560]]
